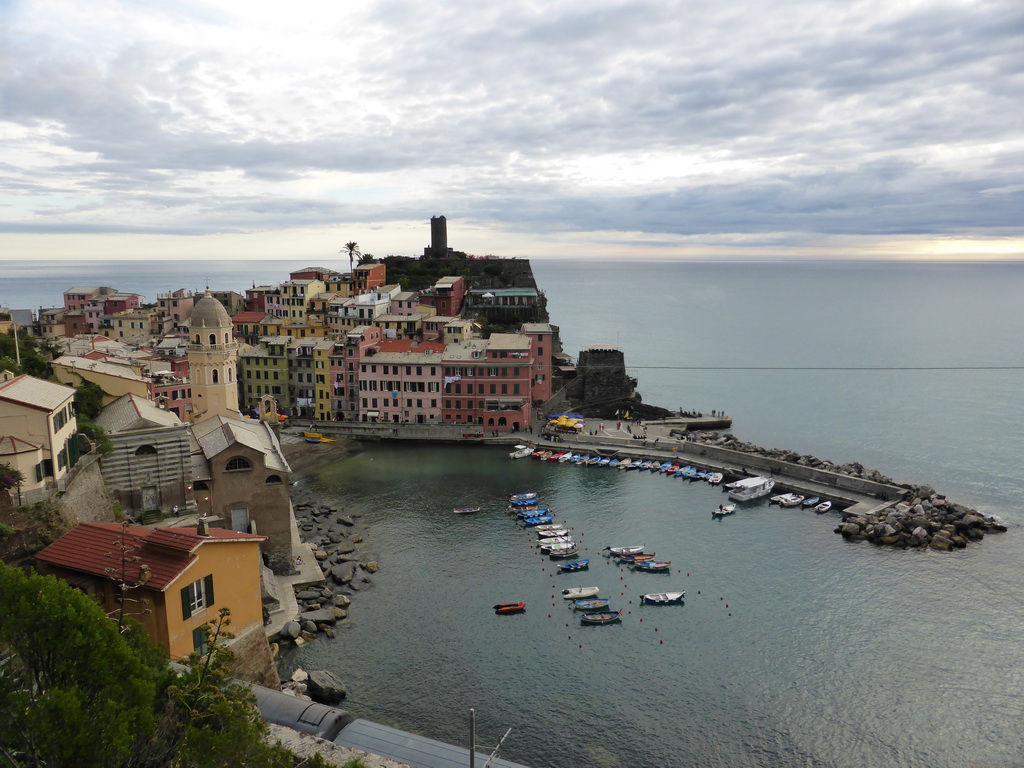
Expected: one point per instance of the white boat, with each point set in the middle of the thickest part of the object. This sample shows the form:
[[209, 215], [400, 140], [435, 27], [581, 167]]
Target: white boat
[[564, 457], [553, 534], [523, 496], [561, 547], [575, 593], [625, 463], [633, 550], [724, 510], [521, 452], [825, 506], [551, 527], [715, 478], [662, 598], [750, 488], [790, 500]]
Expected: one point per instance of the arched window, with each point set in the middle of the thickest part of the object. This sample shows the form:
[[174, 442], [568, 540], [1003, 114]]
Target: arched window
[[490, 422], [145, 450], [502, 422], [200, 485], [213, 339], [231, 375], [274, 480], [237, 463], [199, 339], [216, 376], [227, 338]]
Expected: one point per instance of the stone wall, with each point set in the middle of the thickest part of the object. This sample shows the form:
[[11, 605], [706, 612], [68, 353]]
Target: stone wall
[[254, 662], [87, 498]]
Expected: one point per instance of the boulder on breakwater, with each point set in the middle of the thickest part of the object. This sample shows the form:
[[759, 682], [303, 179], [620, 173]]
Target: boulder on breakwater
[[927, 521]]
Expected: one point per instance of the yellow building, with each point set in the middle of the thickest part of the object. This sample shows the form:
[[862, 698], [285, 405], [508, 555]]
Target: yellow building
[[174, 580], [322, 352], [115, 379], [213, 361]]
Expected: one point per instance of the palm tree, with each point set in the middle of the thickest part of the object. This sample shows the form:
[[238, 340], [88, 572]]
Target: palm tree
[[353, 250]]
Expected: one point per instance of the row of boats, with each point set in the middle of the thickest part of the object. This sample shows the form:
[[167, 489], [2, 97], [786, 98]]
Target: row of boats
[[796, 500], [556, 541], [643, 465]]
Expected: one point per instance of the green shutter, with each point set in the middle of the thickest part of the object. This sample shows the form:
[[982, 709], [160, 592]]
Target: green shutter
[[186, 603], [208, 583]]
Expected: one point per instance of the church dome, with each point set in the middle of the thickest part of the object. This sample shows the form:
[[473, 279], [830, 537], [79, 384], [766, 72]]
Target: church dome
[[209, 313]]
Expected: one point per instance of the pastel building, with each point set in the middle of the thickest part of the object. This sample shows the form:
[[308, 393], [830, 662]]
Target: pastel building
[[488, 382], [172, 580], [346, 361], [400, 382], [40, 414]]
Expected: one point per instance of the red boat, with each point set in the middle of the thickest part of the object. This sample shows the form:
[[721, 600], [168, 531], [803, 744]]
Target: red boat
[[502, 608]]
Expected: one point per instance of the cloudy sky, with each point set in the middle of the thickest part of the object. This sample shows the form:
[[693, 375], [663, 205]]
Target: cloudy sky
[[644, 129]]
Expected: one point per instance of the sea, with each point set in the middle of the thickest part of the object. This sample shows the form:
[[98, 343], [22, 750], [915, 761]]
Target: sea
[[793, 647]]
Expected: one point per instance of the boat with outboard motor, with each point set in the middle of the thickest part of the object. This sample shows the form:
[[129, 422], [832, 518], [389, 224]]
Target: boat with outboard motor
[[575, 593], [662, 598]]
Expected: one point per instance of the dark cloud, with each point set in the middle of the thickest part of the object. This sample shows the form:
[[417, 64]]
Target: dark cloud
[[812, 117]]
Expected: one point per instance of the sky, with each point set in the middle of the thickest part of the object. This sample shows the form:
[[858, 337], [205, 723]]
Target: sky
[[558, 129]]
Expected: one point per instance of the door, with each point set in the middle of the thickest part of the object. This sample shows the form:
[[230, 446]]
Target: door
[[240, 519], [150, 498]]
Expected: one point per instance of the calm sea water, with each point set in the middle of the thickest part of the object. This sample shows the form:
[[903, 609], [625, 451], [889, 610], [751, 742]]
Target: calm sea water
[[794, 648]]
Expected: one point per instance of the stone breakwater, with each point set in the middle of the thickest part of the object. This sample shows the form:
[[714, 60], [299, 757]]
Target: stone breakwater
[[922, 519]]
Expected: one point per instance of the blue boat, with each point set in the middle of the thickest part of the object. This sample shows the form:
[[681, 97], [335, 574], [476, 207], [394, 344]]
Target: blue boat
[[523, 502], [532, 513], [601, 617], [654, 566], [664, 467], [541, 520], [575, 565], [813, 501], [532, 495], [605, 461]]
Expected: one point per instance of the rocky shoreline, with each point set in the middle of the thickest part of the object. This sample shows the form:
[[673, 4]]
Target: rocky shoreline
[[338, 543]]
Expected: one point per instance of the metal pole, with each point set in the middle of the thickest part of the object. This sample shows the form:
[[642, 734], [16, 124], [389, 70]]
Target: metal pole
[[472, 738]]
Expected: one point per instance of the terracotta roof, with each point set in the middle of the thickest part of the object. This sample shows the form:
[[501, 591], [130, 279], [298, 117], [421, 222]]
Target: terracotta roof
[[250, 317], [409, 345], [93, 548]]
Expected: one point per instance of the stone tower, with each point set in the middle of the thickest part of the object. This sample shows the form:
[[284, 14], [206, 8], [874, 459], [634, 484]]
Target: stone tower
[[213, 361]]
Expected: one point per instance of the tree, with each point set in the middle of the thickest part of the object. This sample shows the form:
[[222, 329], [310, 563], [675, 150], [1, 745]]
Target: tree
[[353, 250], [73, 691]]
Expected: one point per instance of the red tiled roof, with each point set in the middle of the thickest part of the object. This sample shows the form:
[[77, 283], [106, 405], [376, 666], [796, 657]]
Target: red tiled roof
[[249, 317], [95, 548]]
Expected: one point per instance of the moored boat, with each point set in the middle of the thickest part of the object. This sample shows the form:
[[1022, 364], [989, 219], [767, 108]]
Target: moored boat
[[790, 500], [600, 617], [558, 554], [811, 501], [505, 608], [521, 452], [724, 509], [641, 557], [653, 565], [575, 593], [715, 478], [634, 550], [529, 522], [528, 496], [465, 510], [591, 603], [825, 506], [662, 598], [750, 488], [575, 565]]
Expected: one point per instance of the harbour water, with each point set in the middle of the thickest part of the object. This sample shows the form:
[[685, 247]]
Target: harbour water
[[794, 648]]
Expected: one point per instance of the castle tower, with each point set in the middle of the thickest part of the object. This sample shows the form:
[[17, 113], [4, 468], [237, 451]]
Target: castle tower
[[213, 361], [438, 237]]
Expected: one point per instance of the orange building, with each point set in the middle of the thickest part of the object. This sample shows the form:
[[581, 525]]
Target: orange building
[[175, 579]]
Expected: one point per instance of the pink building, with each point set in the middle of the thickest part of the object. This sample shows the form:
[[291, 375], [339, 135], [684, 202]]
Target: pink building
[[400, 382], [345, 364], [543, 340], [446, 296], [487, 383]]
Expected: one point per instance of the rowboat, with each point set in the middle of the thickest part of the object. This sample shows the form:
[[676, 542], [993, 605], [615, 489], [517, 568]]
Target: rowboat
[[600, 617], [791, 500], [551, 527], [575, 565], [722, 511], [591, 603], [557, 554], [662, 598], [554, 545], [465, 510], [653, 565], [825, 506], [529, 522], [715, 478], [575, 593], [532, 512], [521, 452], [813, 501], [523, 501], [641, 557], [625, 550], [551, 533], [504, 608]]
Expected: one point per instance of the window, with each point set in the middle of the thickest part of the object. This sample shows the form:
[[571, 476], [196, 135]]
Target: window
[[145, 450], [274, 480], [199, 640], [197, 596], [237, 463]]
